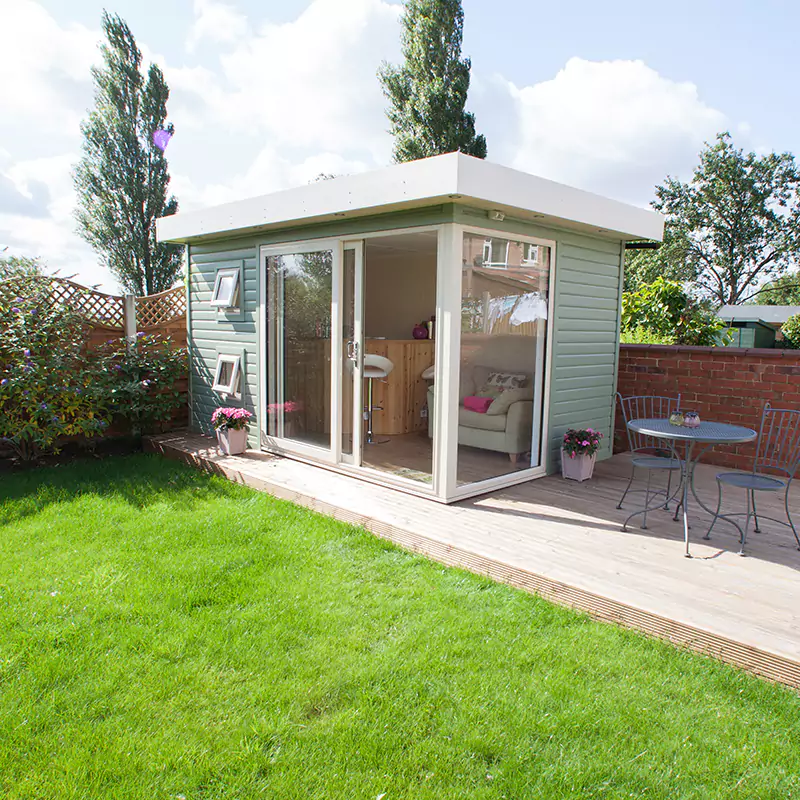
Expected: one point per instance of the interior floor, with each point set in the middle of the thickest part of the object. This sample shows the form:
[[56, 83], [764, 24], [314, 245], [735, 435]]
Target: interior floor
[[411, 456]]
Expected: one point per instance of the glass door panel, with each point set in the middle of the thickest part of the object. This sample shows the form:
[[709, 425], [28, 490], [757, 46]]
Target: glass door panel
[[299, 306], [504, 327]]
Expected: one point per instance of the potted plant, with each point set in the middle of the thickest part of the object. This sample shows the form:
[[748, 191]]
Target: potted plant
[[579, 452], [231, 425]]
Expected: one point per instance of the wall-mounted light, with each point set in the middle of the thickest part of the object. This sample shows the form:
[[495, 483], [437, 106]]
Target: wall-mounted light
[[497, 216]]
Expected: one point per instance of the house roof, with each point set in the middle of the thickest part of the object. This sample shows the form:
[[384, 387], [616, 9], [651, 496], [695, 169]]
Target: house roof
[[449, 178], [767, 315]]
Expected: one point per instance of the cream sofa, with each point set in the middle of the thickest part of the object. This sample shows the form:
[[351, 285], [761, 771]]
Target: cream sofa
[[508, 431]]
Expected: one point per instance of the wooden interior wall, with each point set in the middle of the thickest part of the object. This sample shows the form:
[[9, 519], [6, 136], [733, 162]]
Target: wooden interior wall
[[402, 396]]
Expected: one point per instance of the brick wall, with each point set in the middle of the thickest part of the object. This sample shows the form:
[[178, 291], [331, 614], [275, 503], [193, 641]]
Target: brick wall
[[723, 384]]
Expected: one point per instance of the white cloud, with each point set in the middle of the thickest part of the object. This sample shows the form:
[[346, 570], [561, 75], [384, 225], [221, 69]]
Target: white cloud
[[268, 172], [311, 83], [270, 105], [50, 236], [43, 65], [216, 22], [615, 127]]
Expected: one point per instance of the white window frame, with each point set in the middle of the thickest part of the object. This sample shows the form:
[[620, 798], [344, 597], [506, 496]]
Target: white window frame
[[447, 397], [528, 247], [226, 302], [488, 246], [232, 386]]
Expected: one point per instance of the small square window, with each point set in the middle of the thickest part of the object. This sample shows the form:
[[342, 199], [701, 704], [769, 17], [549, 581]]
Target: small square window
[[226, 378], [226, 289], [531, 254]]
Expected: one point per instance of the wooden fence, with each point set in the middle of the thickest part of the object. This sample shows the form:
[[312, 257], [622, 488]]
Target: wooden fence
[[111, 316]]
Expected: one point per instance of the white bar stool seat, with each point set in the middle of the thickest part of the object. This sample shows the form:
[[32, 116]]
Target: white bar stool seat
[[375, 368]]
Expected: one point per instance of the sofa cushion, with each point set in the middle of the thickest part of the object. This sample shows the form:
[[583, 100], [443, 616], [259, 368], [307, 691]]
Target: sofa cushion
[[480, 405], [505, 400], [507, 380], [471, 419]]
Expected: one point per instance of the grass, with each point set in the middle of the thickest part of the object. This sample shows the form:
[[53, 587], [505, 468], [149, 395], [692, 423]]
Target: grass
[[166, 634]]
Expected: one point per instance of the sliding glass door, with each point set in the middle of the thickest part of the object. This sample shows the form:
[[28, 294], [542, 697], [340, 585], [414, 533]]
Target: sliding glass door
[[299, 316]]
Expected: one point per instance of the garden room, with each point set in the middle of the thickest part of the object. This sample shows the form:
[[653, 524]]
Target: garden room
[[433, 326]]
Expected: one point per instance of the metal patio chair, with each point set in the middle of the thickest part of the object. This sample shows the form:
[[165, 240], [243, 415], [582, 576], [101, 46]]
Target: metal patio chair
[[778, 450], [648, 453]]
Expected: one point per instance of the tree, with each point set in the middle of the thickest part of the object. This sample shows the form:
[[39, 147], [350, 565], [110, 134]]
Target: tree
[[428, 93], [663, 311], [738, 217], [783, 291], [668, 261], [122, 178], [791, 332]]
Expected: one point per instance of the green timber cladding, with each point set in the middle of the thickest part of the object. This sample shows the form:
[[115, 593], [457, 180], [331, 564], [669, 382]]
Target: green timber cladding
[[587, 285]]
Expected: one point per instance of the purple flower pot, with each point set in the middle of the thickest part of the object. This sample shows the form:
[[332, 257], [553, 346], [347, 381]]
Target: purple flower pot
[[579, 468], [232, 443]]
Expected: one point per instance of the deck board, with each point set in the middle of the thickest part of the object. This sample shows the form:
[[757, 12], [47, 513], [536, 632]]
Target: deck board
[[564, 541]]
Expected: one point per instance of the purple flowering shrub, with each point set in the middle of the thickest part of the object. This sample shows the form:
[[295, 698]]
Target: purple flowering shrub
[[230, 419], [55, 387], [46, 376], [139, 381], [581, 442]]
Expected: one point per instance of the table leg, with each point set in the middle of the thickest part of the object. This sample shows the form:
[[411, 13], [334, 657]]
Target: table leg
[[688, 479]]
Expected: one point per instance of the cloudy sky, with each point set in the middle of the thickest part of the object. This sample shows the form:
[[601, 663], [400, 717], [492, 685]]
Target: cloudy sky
[[267, 94]]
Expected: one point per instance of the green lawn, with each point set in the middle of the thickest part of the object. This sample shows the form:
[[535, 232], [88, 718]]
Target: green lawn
[[165, 634]]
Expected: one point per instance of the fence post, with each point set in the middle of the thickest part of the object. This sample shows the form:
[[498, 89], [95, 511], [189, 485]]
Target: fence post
[[129, 316]]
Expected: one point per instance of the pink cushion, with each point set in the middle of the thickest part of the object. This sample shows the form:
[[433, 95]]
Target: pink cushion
[[478, 404]]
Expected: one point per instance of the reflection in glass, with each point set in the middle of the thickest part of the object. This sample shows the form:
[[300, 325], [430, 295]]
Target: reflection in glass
[[504, 311], [299, 331]]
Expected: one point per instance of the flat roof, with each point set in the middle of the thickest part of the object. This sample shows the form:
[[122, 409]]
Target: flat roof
[[450, 178], [769, 315]]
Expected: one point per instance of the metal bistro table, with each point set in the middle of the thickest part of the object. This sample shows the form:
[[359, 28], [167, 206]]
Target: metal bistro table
[[708, 434]]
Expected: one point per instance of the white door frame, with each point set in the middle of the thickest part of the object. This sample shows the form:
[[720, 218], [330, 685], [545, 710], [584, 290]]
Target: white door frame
[[444, 486], [268, 367], [450, 298], [340, 375]]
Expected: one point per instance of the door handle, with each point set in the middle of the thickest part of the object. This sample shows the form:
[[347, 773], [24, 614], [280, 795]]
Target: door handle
[[352, 350]]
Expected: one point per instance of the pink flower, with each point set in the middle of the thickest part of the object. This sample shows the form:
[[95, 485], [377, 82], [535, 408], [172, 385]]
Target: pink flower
[[585, 443], [572, 455]]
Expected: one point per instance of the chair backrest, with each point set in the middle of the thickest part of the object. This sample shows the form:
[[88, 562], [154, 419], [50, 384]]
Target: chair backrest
[[646, 407], [778, 441]]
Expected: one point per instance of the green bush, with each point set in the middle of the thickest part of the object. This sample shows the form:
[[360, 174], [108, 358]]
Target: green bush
[[138, 381], [664, 311], [46, 378], [791, 332], [643, 335], [54, 388]]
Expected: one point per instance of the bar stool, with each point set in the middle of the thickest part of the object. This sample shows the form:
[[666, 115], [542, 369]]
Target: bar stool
[[375, 368]]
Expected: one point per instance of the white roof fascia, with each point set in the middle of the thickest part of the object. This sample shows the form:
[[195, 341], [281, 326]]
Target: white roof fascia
[[453, 176], [398, 185], [503, 186]]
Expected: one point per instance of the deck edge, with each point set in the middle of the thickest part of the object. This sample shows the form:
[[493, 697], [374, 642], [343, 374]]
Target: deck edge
[[763, 663]]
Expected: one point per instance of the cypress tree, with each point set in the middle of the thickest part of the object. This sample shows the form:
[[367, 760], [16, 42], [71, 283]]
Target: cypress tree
[[122, 178], [428, 93]]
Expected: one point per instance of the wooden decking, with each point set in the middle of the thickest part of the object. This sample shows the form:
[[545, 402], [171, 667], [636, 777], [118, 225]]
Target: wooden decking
[[564, 541]]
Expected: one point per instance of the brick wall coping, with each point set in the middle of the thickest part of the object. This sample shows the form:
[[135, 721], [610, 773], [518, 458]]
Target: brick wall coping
[[760, 352]]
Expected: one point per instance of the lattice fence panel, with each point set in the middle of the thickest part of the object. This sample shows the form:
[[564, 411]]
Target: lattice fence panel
[[157, 310], [97, 307]]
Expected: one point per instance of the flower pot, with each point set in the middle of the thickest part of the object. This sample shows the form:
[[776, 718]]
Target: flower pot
[[232, 442], [579, 468]]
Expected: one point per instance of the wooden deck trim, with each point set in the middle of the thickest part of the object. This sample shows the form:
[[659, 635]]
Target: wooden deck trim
[[764, 663]]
